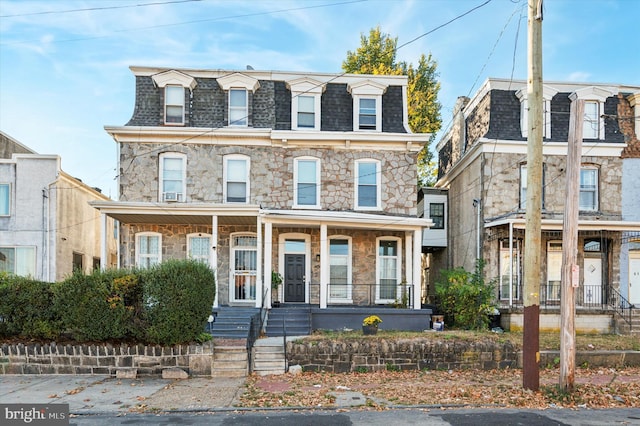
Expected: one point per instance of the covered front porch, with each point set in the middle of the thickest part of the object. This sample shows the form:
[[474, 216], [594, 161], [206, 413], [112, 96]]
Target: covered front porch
[[262, 256]]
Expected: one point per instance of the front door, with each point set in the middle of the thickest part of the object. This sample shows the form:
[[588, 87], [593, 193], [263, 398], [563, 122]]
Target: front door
[[634, 279], [592, 280], [294, 276]]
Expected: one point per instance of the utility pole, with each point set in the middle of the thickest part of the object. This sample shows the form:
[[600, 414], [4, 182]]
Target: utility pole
[[532, 244], [570, 269]]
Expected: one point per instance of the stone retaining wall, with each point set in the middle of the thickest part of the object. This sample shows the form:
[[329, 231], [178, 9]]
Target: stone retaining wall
[[401, 354], [52, 358]]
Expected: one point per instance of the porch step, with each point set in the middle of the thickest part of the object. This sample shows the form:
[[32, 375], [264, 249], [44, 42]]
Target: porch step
[[232, 322], [295, 320], [268, 357], [229, 361], [623, 327]]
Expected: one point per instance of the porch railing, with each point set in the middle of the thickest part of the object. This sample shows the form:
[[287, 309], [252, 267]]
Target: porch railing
[[255, 328], [587, 296], [366, 294]]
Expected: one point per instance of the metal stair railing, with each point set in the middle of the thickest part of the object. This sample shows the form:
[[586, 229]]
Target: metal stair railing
[[255, 328], [621, 306]]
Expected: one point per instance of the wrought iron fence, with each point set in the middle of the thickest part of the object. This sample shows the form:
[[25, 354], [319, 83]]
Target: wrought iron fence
[[587, 296], [400, 295]]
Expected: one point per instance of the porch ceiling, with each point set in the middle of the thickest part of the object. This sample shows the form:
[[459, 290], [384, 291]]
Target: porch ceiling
[[172, 219], [583, 225]]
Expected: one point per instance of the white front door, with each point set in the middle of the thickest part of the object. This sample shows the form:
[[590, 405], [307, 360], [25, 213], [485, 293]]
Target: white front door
[[592, 281], [634, 280]]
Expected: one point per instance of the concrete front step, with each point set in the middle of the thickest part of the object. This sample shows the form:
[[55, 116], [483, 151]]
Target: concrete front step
[[229, 361], [268, 357]]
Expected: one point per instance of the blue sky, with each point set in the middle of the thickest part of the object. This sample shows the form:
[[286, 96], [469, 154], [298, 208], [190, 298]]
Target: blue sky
[[64, 65]]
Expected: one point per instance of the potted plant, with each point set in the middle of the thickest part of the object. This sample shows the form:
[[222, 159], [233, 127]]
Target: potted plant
[[370, 325], [276, 280]]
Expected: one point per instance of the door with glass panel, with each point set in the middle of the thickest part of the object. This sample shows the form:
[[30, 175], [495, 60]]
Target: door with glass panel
[[339, 270], [244, 256]]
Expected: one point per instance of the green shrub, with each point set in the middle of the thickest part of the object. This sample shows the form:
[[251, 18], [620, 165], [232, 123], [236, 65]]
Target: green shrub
[[26, 308], [100, 306], [178, 295], [465, 298]]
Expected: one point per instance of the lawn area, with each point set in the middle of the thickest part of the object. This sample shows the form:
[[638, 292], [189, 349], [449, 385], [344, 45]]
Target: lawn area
[[548, 341]]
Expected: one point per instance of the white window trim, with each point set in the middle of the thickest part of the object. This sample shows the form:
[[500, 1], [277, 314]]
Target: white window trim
[[174, 78], [316, 111], [356, 113], [547, 94], [600, 124], [33, 267], [378, 205], [398, 268], [232, 250], [556, 251], [139, 255], [349, 297], [597, 191], [247, 159], [199, 235], [9, 188], [295, 183], [180, 196], [166, 104], [282, 240], [246, 108]]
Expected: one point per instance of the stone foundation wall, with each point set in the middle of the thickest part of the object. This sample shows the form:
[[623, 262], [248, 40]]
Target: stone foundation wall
[[52, 358], [409, 354]]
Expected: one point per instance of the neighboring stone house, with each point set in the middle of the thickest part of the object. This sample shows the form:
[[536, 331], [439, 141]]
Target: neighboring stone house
[[47, 227], [483, 165], [312, 176]]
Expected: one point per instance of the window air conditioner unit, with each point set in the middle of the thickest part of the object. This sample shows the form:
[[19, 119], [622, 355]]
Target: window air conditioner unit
[[172, 196]]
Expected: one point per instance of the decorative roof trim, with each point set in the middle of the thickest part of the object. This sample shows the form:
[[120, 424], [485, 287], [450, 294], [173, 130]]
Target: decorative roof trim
[[367, 87], [238, 80], [173, 77], [306, 85]]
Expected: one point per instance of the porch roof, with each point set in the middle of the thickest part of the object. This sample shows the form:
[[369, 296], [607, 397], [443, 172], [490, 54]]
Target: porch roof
[[247, 214], [583, 225]]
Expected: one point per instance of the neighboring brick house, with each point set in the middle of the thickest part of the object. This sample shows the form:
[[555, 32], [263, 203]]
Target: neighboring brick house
[[482, 163], [47, 227], [309, 175]]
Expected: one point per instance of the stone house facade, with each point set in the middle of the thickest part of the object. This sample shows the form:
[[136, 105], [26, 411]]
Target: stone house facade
[[47, 227], [310, 176], [482, 164]]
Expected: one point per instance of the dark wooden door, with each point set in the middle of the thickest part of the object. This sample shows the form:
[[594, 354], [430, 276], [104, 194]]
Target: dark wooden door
[[294, 277]]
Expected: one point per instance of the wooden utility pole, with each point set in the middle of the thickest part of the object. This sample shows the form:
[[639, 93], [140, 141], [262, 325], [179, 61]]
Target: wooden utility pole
[[570, 269], [532, 244]]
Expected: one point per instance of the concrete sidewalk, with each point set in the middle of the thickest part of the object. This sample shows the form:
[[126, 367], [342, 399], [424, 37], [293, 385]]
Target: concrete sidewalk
[[106, 394]]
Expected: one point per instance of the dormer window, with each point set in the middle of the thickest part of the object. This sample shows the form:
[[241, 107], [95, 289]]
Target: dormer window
[[306, 94], [240, 88], [367, 117], [367, 105], [547, 94], [238, 112], [593, 119], [174, 105], [174, 84]]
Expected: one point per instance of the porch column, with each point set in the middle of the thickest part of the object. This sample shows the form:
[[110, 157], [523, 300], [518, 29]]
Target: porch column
[[213, 253], [417, 265], [103, 242], [268, 259], [259, 281], [324, 263]]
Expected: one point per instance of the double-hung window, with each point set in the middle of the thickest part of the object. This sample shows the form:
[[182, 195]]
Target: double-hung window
[[199, 247], [18, 261], [339, 269], [367, 117], [588, 189], [388, 269], [174, 104], [172, 177], [591, 120], [238, 111], [436, 214], [5, 199], [547, 94], [367, 186], [148, 249], [554, 269], [236, 179], [306, 112], [306, 190], [244, 255]]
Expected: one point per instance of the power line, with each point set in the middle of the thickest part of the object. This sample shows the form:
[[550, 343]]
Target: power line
[[91, 9]]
